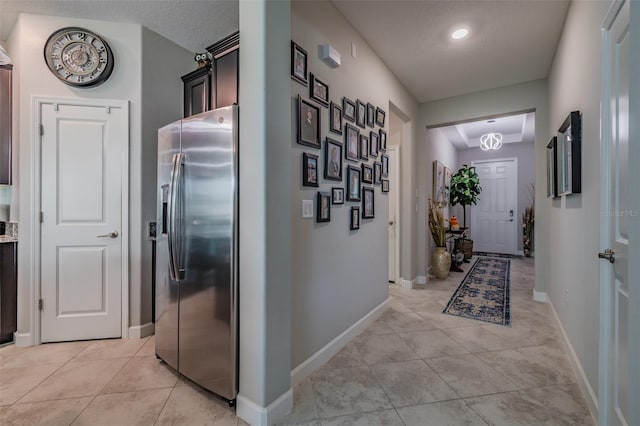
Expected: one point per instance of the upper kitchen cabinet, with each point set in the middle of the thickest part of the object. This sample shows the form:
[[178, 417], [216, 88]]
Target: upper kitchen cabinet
[[215, 86], [5, 124]]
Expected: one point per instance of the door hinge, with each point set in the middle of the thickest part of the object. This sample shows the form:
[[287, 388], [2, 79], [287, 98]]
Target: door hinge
[[41, 130], [41, 217], [40, 304]]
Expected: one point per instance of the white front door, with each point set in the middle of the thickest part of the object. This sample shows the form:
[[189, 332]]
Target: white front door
[[81, 230], [494, 218], [394, 185]]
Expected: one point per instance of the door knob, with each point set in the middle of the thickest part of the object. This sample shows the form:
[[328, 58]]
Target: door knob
[[608, 254], [390, 223], [112, 234]]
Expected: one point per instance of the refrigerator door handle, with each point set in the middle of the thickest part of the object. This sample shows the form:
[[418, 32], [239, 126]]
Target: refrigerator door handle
[[174, 237]]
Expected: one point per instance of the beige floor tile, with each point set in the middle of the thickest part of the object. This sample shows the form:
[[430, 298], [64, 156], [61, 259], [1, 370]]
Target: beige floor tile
[[514, 408], [16, 382], [440, 320], [349, 356], [404, 322], [348, 391], [469, 376], [411, 383], [140, 373], [447, 413], [550, 355], [48, 353], [566, 400], [149, 347], [191, 405], [378, 327], [523, 336], [123, 409], [477, 339], [377, 418], [75, 379], [376, 349], [304, 405], [50, 413], [113, 348], [432, 344]]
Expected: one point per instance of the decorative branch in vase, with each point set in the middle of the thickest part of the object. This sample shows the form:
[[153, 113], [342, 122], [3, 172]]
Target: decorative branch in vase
[[528, 219], [440, 258]]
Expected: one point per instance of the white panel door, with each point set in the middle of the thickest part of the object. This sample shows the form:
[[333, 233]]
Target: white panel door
[[493, 219], [81, 245]]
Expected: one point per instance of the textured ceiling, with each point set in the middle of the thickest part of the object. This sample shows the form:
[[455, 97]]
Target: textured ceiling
[[514, 129], [192, 24], [510, 41]]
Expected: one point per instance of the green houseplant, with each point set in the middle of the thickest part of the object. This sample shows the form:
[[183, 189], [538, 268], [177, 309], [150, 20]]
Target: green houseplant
[[464, 189]]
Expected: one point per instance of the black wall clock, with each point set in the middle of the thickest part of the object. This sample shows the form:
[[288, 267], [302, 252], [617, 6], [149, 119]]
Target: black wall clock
[[78, 57]]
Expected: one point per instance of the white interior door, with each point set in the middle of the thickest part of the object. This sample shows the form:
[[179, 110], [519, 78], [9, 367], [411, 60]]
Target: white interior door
[[394, 185], [616, 400], [494, 218], [81, 202]]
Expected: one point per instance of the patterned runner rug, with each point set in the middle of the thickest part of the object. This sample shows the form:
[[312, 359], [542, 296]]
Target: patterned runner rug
[[483, 294]]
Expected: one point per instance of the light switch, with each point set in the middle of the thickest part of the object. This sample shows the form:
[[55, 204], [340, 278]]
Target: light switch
[[307, 209]]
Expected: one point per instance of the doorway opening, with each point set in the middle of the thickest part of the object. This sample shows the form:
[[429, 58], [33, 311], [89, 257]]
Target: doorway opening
[[397, 134]]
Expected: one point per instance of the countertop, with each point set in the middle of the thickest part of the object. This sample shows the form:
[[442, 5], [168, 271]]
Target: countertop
[[8, 239]]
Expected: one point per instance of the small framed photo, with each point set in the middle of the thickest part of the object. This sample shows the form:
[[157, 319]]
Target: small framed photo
[[385, 165], [361, 113], [323, 213], [298, 63], [354, 223], [368, 207], [353, 183], [367, 173], [380, 116], [319, 91], [333, 160], [309, 169], [348, 109], [371, 112], [337, 195], [383, 140], [335, 118], [373, 150], [377, 173], [351, 142], [364, 147], [385, 185], [308, 123]]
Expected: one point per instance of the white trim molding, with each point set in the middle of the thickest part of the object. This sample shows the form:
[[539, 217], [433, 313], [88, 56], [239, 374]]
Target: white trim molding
[[316, 360], [256, 415], [406, 283], [540, 296], [421, 279], [22, 339], [140, 331]]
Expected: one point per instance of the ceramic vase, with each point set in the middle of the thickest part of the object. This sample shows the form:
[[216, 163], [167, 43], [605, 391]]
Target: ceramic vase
[[441, 262]]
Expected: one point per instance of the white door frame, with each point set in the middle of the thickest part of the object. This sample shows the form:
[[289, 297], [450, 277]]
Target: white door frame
[[34, 213], [515, 218], [394, 178]]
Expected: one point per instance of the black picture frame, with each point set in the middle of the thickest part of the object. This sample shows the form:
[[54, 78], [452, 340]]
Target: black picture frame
[[337, 195], [361, 114], [374, 144], [377, 173], [371, 115], [353, 183], [383, 140], [351, 142], [354, 221], [335, 118], [310, 170], [367, 173], [323, 207], [380, 117], [569, 155], [348, 109], [318, 90], [299, 64], [384, 158], [368, 203], [364, 147], [385, 185], [308, 125], [333, 160]]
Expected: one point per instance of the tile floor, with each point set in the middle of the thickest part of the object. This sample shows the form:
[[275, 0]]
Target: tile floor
[[414, 366]]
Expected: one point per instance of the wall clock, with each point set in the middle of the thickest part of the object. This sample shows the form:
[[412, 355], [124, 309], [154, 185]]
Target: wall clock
[[78, 57]]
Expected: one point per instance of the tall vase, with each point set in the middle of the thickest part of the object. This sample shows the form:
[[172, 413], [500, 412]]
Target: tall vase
[[441, 262]]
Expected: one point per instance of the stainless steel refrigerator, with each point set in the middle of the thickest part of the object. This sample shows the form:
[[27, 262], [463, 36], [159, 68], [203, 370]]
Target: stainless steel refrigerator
[[197, 249]]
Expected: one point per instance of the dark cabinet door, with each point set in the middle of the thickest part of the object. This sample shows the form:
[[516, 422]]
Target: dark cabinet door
[[8, 291], [5, 124], [226, 79], [197, 91]]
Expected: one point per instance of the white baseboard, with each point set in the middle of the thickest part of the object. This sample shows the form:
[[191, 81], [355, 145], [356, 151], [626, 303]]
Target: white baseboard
[[421, 279], [22, 339], [406, 283], [583, 382], [140, 331], [256, 415], [318, 359], [540, 296]]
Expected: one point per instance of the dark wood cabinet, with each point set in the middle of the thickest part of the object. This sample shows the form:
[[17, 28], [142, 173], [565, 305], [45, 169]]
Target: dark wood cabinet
[[8, 291], [5, 124], [216, 86]]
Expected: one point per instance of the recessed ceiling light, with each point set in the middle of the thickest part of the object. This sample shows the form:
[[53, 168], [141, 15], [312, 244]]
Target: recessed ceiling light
[[460, 33]]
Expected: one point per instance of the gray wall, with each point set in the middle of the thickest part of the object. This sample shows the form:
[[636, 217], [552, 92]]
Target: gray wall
[[338, 276], [525, 153]]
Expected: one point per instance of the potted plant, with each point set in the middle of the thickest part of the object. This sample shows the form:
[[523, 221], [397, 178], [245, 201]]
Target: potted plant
[[440, 258], [464, 190]]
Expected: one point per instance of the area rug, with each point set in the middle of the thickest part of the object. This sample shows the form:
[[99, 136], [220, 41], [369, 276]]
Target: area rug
[[507, 256], [483, 294]]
